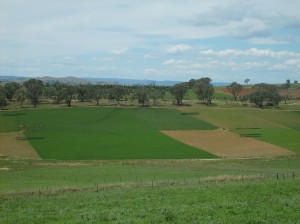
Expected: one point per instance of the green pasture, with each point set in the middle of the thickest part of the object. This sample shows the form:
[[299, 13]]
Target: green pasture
[[283, 137], [32, 176], [105, 133], [267, 201], [72, 186], [232, 118]]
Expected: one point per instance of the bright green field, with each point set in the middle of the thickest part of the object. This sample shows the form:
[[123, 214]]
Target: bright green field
[[106, 133], [284, 137], [155, 191], [234, 202]]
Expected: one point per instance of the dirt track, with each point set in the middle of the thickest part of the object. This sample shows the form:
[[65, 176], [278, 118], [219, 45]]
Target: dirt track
[[226, 144], [10, 146]]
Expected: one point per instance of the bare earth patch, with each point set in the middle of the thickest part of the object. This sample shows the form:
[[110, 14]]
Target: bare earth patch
[[226, 144], [10, 146]]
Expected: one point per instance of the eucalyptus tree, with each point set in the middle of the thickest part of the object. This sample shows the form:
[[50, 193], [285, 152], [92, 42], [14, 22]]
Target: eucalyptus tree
[[142, 95], [10, 89], [179, 90], [155, 94], [286, 87], [235, 89], [265, 94], [3, 101], [34, 90], [68, 93], [116, 92], [97, 92], [204, 90], [20, 95]]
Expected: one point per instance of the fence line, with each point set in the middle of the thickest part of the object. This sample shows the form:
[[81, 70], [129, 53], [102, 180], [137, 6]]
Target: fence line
[[154, 182]]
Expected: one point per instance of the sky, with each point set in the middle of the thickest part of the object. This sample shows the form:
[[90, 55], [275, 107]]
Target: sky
[[228, 40]]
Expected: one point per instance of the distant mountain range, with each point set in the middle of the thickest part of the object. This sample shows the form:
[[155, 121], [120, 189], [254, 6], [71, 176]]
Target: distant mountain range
[[77, 81]]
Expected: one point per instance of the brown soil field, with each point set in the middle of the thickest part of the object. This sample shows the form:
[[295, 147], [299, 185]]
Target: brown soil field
[[294, 93], [226, 144], [10, 146]]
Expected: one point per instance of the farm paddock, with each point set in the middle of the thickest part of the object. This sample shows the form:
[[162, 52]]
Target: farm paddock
[[226, 144], [190, 190]]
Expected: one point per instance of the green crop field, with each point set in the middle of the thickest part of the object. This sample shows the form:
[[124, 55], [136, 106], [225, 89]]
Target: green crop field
[[172, 183], [106, 133], [248, 117], [284, 137]]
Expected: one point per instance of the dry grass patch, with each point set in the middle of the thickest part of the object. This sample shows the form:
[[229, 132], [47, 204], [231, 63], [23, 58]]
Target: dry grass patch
[[10, 146], [226, 144]]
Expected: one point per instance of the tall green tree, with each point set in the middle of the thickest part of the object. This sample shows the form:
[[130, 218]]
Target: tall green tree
[[286, 87], [116, 92], [34, 90], [20, 95], [247, 81], [265, 94], [179, 90], [155, 94], [10, 89], [82, 92], [142, 95], [68, 93], [204, 90], [3, 101], [97, 92], [235, 88]]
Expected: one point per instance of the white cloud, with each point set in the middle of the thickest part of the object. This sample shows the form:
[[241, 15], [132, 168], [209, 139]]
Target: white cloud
[[92, 32], [105, 59], [278, 67], [119, 51], [252, 52], [181, 63], [180, 48], [292, 62], [150, 56], [271, 40]]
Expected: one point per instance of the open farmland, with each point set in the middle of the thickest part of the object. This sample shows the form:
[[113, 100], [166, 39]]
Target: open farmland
[[292, 92], [71, 185], [110, 133], [226, 144]]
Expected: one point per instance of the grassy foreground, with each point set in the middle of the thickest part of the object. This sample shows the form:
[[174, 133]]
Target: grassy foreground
[[268, 201], [154, 191]]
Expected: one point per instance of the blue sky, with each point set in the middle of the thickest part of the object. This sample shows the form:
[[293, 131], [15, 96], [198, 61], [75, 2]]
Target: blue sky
[[228, 40]]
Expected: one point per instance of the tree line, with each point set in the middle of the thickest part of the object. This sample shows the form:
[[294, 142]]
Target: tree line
[[263, 94]]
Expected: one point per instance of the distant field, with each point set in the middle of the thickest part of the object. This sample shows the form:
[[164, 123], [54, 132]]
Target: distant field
[[105, 133], [293, 92], [277, 127], [284, 137], [231, 118]]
